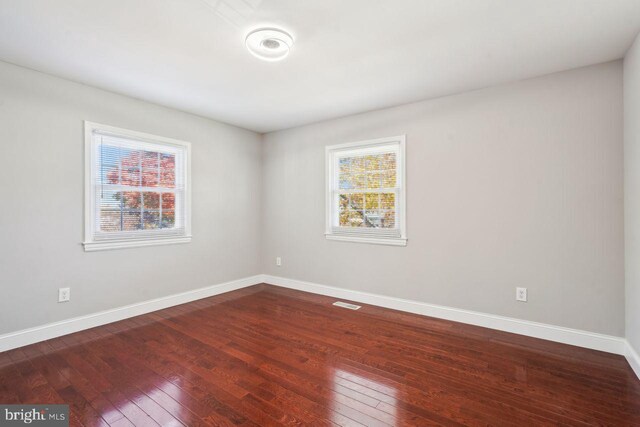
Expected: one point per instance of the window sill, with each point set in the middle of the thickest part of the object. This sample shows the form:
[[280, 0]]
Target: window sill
[[370, 240], [106, 245]]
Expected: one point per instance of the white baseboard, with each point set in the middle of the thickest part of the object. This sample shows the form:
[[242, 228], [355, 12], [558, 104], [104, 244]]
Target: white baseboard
[[595, 341], [64, 327], [633, 358]]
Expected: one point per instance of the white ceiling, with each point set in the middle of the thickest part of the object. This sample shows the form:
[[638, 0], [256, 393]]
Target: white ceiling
[[349, 56]]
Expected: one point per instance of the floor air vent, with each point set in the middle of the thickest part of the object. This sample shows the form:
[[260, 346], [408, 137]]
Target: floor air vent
[[346, 305]]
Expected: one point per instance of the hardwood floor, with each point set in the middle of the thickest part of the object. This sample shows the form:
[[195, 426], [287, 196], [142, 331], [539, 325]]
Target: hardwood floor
[[267, 356]]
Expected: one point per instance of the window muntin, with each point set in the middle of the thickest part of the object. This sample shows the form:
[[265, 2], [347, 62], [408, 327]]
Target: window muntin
[[365, 194], [138, 187]]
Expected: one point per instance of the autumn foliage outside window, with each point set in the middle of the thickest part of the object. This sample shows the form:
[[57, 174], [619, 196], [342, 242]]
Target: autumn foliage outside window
[[367, 191], [145, 195], [137, 189]]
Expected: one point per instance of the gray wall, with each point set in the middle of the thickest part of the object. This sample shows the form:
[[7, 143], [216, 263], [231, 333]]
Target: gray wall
[[516, 185], [632, 191], [41, 199]]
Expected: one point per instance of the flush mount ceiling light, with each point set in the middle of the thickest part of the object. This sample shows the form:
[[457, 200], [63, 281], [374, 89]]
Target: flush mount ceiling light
[[269, 44]]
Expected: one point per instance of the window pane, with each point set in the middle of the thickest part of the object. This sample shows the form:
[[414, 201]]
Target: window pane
[[345, 165], [151, 200], [150, 160], [389, 219], [167, 178], [388, 161], [168, 161], [352, 182], [150, 177], [387, 201], [110, 204], [131, 220], [132, 199], [168, 201], [131, 176], [371, 201], [168, 219], [343, 201], [151, 220], [350, 218], [346, 182], [130, 158], [388, 179], [373, 219], [356, 201], [357, 165], [110, 174], [374, 180], [110, 200], [167, 170], [109, 155], [373, 162], [109, 220]]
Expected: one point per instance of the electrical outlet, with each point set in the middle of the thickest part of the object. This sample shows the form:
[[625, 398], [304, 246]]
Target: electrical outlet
[[521, 294], [278, 261], [64, 294]]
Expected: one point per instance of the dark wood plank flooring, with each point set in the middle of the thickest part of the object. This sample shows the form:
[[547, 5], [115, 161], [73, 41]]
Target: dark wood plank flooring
[[267, 356]]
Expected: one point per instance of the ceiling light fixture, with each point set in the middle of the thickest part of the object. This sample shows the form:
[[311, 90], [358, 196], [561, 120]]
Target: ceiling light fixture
[[269, 44]]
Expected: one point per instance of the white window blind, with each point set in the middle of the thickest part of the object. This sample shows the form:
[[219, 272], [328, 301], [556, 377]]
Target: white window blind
[[366, 192], [138, 189]]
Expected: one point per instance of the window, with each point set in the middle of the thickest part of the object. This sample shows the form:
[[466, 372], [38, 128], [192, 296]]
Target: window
[[137, 189], [366, 191]]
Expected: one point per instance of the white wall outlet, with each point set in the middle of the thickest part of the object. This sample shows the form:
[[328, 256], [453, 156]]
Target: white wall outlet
[[521, 294], [278, 261], [64, 294]]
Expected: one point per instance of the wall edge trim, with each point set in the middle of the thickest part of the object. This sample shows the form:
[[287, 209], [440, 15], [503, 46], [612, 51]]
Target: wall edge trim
[[577, 337], [47, 331]]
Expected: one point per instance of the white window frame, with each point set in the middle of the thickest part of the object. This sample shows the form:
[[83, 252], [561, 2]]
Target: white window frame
[[92, 244], [395, 237]]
